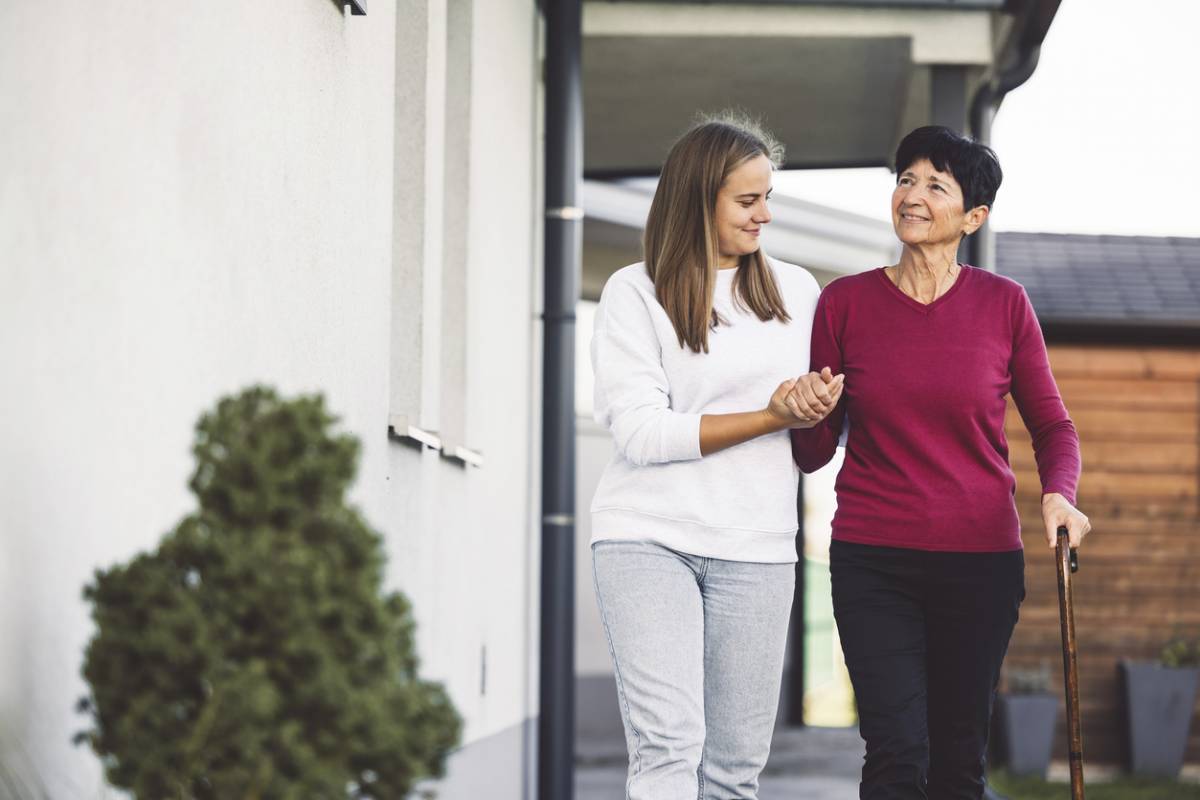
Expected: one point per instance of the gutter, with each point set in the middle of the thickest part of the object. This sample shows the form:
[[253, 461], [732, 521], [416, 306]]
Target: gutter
[[1018, 60], [1015, 64]]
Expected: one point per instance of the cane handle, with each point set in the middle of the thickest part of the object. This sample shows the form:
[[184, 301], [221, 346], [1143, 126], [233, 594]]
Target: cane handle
[[1062, 531]]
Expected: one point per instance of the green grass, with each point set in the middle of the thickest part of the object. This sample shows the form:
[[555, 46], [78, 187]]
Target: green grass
[[1119, 789]]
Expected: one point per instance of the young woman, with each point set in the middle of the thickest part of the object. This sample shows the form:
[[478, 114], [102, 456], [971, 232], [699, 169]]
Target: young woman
[[695, 354]]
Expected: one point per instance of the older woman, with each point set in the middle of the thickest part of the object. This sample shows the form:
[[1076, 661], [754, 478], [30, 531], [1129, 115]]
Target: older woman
[[926, 558]]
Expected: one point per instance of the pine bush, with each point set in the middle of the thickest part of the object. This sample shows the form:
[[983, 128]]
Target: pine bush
[[254, 654]]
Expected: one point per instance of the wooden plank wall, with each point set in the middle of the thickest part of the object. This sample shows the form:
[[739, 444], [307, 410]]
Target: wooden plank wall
[[1137, 410]]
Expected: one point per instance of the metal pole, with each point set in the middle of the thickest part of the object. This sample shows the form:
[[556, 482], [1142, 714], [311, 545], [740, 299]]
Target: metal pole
[[563, 236], [798, 626], [1019, 59], [980, 247]]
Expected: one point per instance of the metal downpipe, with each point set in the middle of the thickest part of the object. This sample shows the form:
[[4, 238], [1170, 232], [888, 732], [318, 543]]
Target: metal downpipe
[[563, 242]]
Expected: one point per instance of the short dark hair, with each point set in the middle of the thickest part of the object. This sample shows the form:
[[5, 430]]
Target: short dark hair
[[973, 164]]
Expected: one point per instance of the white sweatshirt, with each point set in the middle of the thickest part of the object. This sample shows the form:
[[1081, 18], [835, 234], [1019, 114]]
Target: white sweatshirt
[[738, 504]]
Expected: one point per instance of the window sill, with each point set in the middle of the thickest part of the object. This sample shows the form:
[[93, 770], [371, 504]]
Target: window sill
[[399, 427]]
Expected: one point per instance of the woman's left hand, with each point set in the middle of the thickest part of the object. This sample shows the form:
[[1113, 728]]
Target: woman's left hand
[[1056, 512], [814, 396]]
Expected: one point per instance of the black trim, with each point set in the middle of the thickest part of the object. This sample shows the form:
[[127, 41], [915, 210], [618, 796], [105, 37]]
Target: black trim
[[652, 171], [1182, 333], [797, 625], [957, 5]]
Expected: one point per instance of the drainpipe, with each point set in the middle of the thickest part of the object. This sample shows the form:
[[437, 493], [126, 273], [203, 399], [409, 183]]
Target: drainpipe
[[1019, 58], [563, 240]]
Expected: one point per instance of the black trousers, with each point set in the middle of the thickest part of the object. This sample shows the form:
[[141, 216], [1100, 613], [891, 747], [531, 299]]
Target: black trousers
[[924, 635]]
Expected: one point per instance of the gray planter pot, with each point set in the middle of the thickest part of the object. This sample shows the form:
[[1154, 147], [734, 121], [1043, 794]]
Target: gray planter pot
[[1025, 731], [1158, 711]]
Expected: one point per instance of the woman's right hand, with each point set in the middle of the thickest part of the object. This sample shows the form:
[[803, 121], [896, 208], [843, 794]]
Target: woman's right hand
[[805, 401]]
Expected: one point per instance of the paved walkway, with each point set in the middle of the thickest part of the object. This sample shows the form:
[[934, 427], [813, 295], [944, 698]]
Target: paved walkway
[[805, 764]]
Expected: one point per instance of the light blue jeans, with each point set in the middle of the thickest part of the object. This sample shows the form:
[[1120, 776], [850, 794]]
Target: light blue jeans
[[697, 647]]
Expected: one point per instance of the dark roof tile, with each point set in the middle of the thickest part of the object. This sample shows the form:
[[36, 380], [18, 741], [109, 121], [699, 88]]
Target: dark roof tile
[[1142, 279]]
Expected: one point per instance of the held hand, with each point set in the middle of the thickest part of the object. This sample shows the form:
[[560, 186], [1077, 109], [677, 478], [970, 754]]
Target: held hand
[[804, 402], [815, 395], [779, 411], [1057, 511]]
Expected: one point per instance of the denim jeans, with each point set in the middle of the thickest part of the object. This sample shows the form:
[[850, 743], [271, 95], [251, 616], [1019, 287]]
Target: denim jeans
[[697, 647]]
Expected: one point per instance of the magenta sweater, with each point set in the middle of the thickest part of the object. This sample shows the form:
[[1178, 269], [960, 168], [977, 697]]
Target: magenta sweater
[[926, 458]]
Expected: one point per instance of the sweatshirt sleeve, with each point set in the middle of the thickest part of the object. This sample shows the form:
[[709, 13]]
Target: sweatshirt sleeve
[[632, 394], [1055, 441], [812, 448]]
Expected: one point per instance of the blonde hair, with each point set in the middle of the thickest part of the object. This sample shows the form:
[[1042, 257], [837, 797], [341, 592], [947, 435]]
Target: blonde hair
[[680, 241]]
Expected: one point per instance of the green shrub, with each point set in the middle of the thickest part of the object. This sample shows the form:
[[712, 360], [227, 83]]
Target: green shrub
[[1122, 787], [1180, 651], [253, 653]]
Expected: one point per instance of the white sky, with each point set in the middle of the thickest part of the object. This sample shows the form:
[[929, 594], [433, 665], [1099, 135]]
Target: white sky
[[1104, 138]]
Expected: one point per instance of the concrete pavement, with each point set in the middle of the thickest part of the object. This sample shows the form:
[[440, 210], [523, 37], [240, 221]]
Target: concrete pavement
[[805, 764]]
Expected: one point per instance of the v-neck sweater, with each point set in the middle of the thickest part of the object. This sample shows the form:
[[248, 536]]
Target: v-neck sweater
[[926, 462]]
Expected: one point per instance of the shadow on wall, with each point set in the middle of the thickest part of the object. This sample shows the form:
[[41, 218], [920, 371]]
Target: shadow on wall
[[19, 779]]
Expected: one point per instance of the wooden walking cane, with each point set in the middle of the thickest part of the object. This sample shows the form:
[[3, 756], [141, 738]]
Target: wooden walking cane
[[1068, 562]]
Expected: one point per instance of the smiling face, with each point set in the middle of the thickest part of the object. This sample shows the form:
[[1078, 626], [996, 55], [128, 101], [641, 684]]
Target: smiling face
[[927, 207], [742, 209]]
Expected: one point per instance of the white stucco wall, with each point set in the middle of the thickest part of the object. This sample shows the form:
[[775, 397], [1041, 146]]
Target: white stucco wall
[[478, 564], [193, 200]]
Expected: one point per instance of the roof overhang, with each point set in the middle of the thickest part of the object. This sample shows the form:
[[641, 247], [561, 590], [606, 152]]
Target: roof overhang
[[943, 4], [838, 83]]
